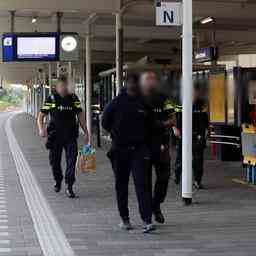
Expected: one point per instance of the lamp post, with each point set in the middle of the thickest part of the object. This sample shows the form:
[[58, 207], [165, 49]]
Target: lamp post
[[187, 95]]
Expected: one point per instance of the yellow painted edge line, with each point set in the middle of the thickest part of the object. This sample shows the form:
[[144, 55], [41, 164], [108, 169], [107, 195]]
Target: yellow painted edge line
[[242, 182]]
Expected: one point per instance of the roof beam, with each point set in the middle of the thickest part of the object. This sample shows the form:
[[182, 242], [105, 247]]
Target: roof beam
[[65, 5], [232, 10]]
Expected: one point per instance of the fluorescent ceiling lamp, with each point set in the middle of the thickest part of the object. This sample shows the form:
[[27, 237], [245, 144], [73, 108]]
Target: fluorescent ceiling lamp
[[34, 20], [206, 20]]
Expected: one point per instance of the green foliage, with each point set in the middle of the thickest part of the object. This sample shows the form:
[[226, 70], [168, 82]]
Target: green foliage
[[10, 98]]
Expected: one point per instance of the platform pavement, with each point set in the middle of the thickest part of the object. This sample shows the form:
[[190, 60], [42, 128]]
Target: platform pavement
[[222, 221], [17, 235]]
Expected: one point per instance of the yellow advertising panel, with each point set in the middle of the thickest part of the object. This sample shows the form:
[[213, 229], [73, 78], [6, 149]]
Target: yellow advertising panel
[[217, 102]]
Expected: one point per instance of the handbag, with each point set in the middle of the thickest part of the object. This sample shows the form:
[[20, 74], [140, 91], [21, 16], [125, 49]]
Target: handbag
[[86, 160]]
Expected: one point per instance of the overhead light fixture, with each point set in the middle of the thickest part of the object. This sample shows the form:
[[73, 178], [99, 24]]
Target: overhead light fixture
[[206, 20], [34, 20]]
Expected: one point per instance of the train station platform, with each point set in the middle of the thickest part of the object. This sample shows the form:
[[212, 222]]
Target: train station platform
[[221, 222]]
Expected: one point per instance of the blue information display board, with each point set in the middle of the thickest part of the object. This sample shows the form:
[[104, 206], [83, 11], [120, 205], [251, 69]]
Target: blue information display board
[[30, 47], [206, 54], [8, 41]]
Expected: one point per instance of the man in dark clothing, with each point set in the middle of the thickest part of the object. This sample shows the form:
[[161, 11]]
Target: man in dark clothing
[[128, 121], [164, 112], [200, 127], [62, 132]]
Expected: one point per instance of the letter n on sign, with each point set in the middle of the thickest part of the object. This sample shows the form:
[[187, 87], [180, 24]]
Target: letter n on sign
[[168, 14]]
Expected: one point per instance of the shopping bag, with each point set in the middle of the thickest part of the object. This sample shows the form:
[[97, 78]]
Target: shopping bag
[[86, 160]]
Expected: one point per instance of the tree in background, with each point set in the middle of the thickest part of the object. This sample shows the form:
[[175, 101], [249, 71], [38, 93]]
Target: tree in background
[[11, 97]]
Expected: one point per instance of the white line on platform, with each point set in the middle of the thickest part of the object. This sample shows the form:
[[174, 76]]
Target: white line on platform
[[4, 241], [50, 235], [5, 250]]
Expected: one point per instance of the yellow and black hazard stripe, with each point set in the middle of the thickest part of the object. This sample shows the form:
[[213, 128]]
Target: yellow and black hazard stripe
[[48, 106], [77, 104], [170, 106]]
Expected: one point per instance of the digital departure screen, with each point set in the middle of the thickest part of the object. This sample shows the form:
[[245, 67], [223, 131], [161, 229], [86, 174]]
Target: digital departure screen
[[36, 48], [40, 46]]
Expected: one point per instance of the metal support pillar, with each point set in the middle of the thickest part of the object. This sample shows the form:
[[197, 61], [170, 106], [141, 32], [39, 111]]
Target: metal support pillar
[[59, 19], [119, 51], [31, 99], [36, 97], [70, 80], [187, 95], [50, 77], [83, 69], [74, 75], [12, 27], [44, 84], [88, 88]]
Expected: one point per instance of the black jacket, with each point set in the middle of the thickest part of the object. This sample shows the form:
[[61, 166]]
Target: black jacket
[[200, 122], [63, 112], [128, 120], [163, 109]]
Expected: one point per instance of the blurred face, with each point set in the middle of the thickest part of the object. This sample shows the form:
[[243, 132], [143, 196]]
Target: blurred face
[[62, 88], [149, 83], [131, 85]]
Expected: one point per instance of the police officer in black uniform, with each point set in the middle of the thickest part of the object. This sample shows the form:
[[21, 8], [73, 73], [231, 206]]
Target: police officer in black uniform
[[62, 132], [200, 128], [164, 114], [128, 121]]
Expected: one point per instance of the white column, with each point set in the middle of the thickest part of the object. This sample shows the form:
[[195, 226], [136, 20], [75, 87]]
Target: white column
[[74, 79], [119, 52], [44, 89], [50, 77], [33, 97], [31, 100], [58, 69], [88, 84], [36, 97], [187, 95], [70, 77]]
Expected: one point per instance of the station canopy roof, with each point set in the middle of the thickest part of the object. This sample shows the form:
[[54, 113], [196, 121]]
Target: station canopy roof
[[234, 24]]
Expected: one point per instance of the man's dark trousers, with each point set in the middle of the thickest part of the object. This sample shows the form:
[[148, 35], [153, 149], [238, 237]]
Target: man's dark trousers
[[162, 164], [55, 156], [135, 160], [198, 162]]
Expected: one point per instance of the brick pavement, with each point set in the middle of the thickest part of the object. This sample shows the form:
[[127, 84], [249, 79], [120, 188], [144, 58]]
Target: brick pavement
[[222, 222]]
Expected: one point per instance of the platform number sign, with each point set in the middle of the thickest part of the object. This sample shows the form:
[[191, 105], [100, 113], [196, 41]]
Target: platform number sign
[[168, 14]]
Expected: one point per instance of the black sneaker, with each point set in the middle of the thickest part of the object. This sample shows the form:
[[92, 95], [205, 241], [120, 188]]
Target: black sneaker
[[126, 225], [70, 193], [148, 228], [159, 217], [57, 187]]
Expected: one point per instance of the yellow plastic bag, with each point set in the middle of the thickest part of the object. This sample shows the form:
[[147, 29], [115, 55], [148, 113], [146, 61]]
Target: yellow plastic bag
[[86, 161]]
